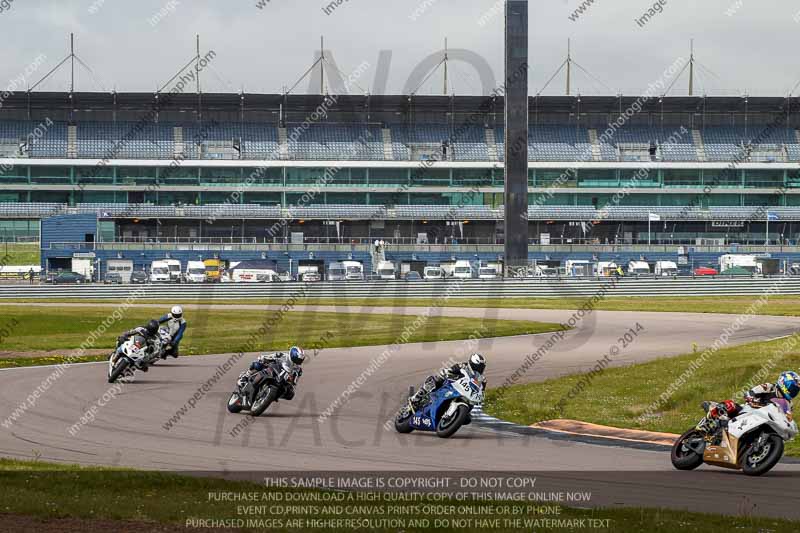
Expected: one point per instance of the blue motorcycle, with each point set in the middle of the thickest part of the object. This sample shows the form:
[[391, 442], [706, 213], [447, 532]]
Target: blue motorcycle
[[445, 410]]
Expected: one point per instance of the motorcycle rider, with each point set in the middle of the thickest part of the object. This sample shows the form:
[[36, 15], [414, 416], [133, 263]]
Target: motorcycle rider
[[176, 325], [476, 365], [291, 360], [718, 415], [150, 334]]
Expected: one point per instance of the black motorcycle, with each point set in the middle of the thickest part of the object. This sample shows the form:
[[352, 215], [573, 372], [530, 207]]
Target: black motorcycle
[[255, 392]]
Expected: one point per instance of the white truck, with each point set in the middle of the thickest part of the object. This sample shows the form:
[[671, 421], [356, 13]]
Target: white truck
[[159, 272], [175, 274], [386, 270], [433, 272], [354, 270], [578, 268], [606, 268], [255, 272], [123, 267], [666, 268], [463, 270], [195, 272], [746, 262], [83, 266], [337, 271], [638, 268], [309, 273], [545, 271], [488, 272]]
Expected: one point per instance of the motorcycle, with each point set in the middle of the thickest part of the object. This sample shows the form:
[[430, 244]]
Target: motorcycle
[[130, 355], [753, 441], [445, 410], [258, 393], [165, 340]]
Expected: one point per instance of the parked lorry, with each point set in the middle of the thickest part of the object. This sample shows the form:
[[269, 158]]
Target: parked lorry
[[638, 268], [123, 267], [488, 271], [578, 268], [542, 270], [354, 270], [255, 272], [195, 272], [666, 268], [736, 261], [337, 271], [175, 274], [385, 270], [463, 270], [433, 272], [83, 266], [215, 269], [159, 272], [607, 268]]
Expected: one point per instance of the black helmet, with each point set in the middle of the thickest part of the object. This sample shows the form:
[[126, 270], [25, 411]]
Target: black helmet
[[152, 327], [477, 363]]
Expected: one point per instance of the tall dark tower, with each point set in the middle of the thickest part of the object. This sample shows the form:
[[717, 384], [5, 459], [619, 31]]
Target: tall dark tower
[[516, 134]]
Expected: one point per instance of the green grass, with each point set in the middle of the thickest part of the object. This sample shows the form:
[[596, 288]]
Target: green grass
[[20, 254], [777, 305], [36, 329], [49, 491], [620, 397]]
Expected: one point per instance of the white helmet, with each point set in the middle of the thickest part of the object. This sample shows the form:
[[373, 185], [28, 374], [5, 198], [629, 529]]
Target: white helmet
[[176, 311], [477, 363]]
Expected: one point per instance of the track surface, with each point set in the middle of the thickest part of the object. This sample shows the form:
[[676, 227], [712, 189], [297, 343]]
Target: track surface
[[129, 430]]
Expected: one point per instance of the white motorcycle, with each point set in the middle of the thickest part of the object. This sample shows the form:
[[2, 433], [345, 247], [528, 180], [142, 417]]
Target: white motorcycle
[[752, 441], [131, 354]]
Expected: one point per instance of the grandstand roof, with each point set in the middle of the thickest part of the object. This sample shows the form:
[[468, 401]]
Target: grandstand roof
[[382, 103]]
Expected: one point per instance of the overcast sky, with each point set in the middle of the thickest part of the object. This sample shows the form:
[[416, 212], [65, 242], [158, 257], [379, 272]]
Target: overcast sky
[[743, 45]]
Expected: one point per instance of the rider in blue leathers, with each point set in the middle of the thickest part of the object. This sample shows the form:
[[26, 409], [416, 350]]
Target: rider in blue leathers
[[176, 325], [475, 366]]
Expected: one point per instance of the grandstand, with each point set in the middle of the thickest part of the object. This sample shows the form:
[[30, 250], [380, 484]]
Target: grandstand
[[405, 169]]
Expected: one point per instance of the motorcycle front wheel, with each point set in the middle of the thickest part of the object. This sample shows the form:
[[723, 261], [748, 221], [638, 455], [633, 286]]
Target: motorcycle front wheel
[[234, 403], [119, 369], [758, 462], [402, 422], [448, 426], [263, 400], [683, 457]]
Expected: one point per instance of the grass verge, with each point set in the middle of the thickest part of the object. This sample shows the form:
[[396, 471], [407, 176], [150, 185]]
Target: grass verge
[[47, 329], [20, 253], [624, 397], [777, 305], [50, 491]]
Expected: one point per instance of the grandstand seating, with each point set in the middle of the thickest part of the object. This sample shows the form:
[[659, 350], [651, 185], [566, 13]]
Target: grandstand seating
[[399, 212], [352, 141]]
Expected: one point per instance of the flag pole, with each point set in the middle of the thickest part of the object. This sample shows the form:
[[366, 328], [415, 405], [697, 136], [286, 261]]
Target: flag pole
[[766, 242]]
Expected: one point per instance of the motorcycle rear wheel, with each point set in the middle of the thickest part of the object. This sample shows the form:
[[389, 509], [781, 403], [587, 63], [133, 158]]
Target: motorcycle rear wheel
[[263, 400], [685, 459], [764, 460], [447, 427]]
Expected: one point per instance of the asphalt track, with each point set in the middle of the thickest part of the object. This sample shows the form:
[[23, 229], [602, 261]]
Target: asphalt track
[[129, 430]]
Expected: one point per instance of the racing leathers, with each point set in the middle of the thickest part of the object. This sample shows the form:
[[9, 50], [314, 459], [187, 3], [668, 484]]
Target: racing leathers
[[432, 383], [253, 374], [176, 328], [719, 414], [151, 349]]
